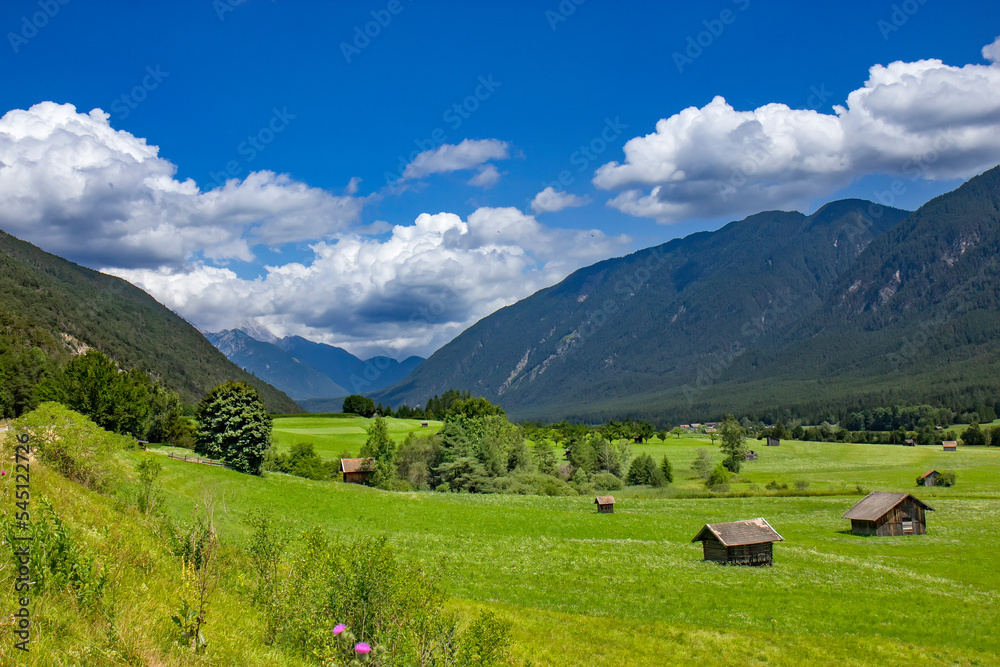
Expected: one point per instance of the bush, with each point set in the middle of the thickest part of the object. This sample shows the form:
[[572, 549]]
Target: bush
[[605, 481], [702, 465], [946, 478], [801, 485], [774, 486], [720, 475], [72, 445]]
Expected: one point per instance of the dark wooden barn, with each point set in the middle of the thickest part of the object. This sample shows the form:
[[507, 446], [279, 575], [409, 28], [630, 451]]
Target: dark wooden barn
[[605, 504], [739, 542], [772, 441], [950, 445], [929, 478], [357, 471], [884, 514]]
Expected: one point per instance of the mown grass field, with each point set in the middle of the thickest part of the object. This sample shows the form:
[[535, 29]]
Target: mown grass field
[[333, 435], [630, 588]]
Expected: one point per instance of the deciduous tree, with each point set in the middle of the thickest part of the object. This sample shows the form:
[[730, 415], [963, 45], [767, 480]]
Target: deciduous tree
[[234, 426]]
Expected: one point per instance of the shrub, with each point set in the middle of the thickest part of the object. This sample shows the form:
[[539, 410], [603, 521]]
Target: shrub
[[720, 475], [946, 478], [702, 465], [605, 481], [801, 485], [774, 486], [72, 445]]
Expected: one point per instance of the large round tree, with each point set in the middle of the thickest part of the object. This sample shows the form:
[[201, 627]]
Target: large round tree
[[234, 426]]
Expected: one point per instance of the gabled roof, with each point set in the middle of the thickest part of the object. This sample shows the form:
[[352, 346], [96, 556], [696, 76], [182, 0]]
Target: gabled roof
[[357, 465], [877, 503], [605, 500], [735, 533], [929, 472], [951, 443]]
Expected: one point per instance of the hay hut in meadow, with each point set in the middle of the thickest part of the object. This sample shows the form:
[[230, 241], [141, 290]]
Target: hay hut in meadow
[[929, 478], [423, 424], [773, 441], [357, 471], [605, 504], [747, 542], [886, 514], [910, 442], [950, 445], [750, 456]]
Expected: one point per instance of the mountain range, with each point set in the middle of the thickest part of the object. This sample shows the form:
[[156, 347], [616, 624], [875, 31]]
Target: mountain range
[[779, 314], [58, 308], [305, 370]]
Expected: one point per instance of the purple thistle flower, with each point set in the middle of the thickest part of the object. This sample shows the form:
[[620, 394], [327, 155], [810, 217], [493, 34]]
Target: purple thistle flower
[[340, 628], [363, 648]]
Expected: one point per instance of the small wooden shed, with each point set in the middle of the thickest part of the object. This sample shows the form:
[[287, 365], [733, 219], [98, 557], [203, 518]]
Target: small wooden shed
[[773, 441], [950, 445], [910, 442], [750, 456], [422, 424], [747, 542], [605, 504], [886, 514], [929, 478], [357, 471]]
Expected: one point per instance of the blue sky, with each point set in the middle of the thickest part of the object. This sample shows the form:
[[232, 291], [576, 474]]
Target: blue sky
[[332, 227]]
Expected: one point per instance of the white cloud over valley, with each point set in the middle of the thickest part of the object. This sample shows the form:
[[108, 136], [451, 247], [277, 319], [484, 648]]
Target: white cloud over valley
[[921, 119]]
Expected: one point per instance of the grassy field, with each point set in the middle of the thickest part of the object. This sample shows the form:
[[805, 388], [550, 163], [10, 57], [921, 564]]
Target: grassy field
[[333, 435], [630, 588]]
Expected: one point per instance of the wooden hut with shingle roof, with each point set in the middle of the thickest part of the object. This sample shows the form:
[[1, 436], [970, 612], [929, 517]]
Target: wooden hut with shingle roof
[[747, 542], [605, 504], [929, 478], [884, 514], [357, 471]]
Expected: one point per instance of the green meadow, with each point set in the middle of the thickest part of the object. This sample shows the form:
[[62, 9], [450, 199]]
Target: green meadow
[[630, 588]]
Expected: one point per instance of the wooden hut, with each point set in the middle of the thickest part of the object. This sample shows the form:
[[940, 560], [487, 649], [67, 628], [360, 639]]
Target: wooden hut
[[773, 441], [910, 442], [605, 504], [884, 514], [422, 424], [750, 456], [929, 478], [357, 471], [739, 542], [950, 445]]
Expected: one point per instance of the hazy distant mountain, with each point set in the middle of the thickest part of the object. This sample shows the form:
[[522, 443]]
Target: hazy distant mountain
[[47, 297], [360, 377], [307, 370], [274, 365]]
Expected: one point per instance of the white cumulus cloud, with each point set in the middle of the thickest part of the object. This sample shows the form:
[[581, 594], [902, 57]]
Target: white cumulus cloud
[[551, 200], [456, 157], [406, 294], [72, 183], [922, 119]]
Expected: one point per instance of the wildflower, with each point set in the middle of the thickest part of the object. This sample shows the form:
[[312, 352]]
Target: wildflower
[[3, 473], [363, 648], [340, 628]]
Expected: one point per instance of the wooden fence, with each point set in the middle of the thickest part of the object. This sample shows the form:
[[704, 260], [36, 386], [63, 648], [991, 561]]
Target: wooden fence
[[195, 459]]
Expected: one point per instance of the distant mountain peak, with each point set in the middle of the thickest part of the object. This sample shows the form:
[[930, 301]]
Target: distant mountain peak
[[257, 331]]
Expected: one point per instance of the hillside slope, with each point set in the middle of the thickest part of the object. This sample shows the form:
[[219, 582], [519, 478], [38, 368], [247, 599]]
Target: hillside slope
[[659, 324], [72, 304]]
